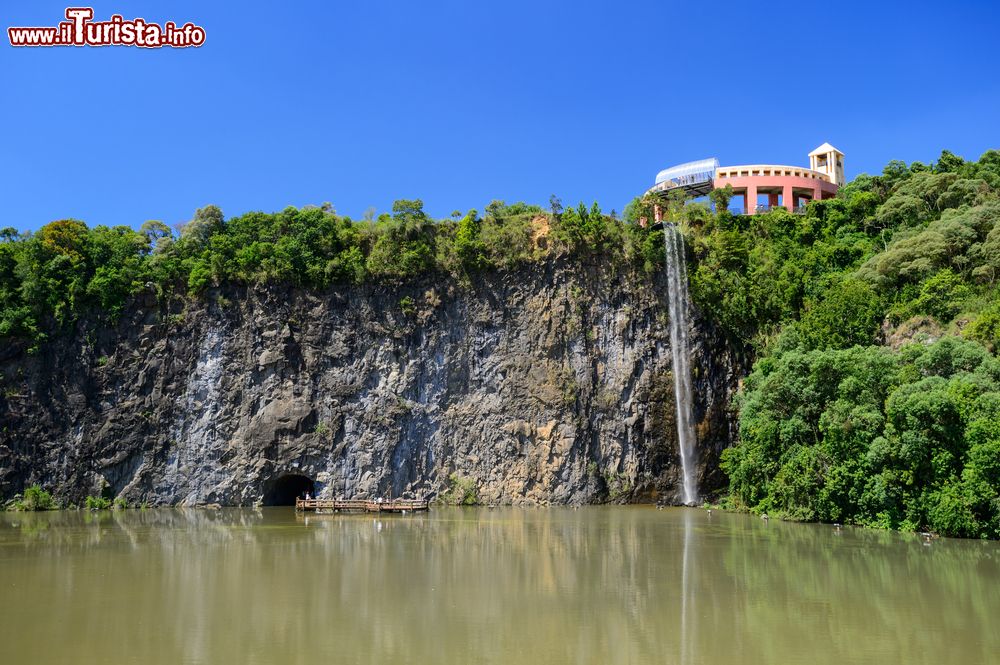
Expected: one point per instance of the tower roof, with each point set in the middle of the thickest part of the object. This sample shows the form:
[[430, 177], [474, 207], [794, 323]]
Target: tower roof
[[824, 149]]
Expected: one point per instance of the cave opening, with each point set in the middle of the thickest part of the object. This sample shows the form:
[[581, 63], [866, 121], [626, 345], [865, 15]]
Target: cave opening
[[287, 488]]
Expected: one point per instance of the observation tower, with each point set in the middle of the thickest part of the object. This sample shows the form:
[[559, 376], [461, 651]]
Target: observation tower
[[761, 186]]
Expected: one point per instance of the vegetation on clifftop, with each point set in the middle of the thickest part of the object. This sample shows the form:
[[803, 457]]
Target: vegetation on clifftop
[[51, 277]]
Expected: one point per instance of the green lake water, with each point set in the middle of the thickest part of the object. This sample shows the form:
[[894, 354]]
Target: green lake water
[[511, 585]]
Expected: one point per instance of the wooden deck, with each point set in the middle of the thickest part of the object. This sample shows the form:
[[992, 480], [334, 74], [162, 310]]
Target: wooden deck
[[361, 505]]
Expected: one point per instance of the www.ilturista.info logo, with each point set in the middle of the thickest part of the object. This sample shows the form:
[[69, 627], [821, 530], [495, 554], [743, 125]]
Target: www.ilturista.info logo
[[81, 30]]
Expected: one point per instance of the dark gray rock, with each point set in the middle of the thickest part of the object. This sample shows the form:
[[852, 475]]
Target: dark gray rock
[[550, 384]]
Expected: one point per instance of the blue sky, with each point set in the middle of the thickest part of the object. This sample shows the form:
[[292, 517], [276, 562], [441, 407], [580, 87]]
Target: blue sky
[[459, 103]]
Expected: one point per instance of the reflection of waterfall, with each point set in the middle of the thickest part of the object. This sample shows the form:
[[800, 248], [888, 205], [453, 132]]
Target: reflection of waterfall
[[677, 285], [689, 622]]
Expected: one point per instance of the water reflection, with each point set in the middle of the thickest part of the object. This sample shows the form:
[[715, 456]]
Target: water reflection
[[688, 621], [597, 585]]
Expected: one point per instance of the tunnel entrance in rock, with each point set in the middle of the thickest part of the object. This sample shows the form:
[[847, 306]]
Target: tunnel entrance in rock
[[287, 488]]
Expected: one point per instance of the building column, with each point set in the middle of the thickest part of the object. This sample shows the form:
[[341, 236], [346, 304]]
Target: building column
[[751, 199], [788, 197], [657, 213], [772, 199], [817, 194]]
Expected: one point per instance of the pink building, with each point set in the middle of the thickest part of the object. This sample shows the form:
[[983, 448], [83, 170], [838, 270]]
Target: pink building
[[761, 186]]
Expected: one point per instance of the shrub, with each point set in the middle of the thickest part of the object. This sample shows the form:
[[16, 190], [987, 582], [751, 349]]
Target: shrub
[[34, 498], [985, 327], [97, 503], [461, 491], [941, 296]]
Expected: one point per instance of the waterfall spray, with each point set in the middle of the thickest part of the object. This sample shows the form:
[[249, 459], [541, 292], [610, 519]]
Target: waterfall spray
[[677, 287]]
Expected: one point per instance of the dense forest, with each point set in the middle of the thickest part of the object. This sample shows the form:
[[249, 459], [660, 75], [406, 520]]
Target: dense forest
[[873, 317]]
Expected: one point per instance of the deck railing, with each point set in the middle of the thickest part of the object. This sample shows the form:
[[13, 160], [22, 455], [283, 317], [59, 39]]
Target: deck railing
[[797, 210], [362, 505]]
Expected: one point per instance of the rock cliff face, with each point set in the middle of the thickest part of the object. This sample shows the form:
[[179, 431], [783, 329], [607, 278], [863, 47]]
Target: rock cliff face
[[546, 384]]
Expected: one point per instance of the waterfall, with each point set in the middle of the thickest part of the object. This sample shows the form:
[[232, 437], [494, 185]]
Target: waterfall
[[677, 287]]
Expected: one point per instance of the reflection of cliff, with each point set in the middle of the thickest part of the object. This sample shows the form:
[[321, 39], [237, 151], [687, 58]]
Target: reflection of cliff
[[534, 585], [552, 384], [597, 585]]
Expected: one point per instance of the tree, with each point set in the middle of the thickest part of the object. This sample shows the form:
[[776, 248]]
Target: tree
[[409, 212], [948, 162], [468, 244], [941, 296], [903, 210], [849, 314], [206, 222], [154, 230], [65, 237], [595, 227], [555, 205], [895, 171], [496, 210], [720, 197], [985, 328]]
